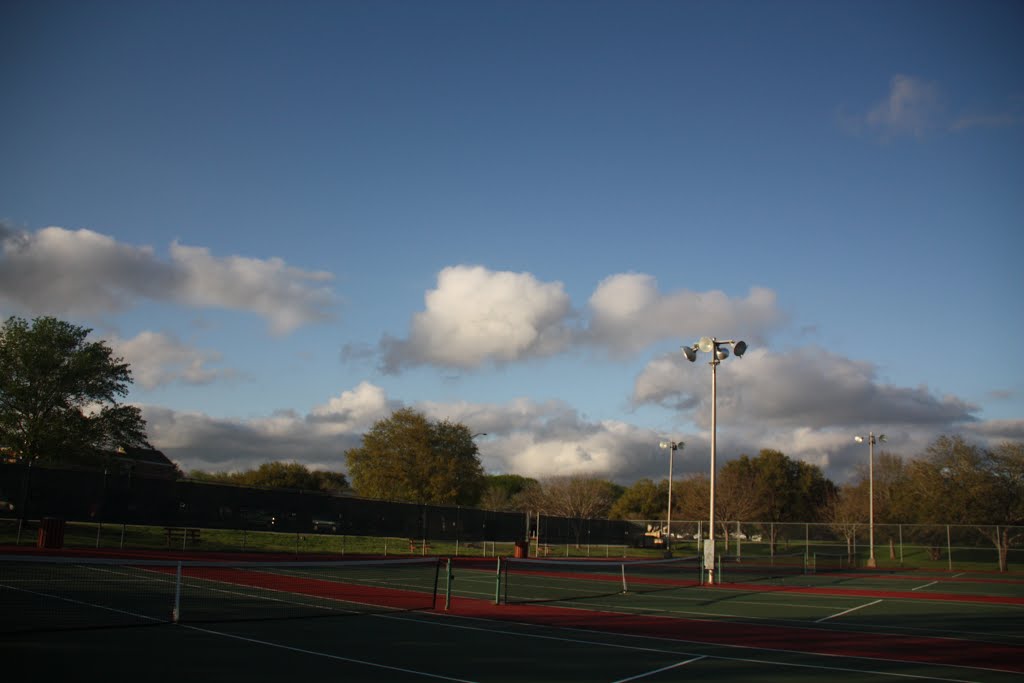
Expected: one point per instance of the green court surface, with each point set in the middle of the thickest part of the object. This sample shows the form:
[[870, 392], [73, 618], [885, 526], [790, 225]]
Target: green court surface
[[560, 624]]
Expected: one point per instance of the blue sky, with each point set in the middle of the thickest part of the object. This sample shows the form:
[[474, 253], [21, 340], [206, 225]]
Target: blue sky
[[292, 219]]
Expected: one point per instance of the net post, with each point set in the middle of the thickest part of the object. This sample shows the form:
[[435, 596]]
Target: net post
[[437, 581], [497, 583], [448, 586], [176, 612], [625, 586]]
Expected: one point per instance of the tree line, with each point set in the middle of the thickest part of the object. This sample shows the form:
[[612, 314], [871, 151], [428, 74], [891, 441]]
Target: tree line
[[60, 402]]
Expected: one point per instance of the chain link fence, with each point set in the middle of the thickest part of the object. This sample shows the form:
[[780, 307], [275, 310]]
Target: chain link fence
[[117, 509]]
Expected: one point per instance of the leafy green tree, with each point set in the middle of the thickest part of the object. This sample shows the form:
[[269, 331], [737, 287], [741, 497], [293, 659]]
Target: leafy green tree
[[773, 488], [59, 394], [643, 500], [407, 457], [501, 490], [280, 475], [956, 482]]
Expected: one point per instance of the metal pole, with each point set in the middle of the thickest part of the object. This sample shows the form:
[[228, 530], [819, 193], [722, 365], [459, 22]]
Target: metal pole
[[671, 456], [949, 548], [871, 499], [711, 518]]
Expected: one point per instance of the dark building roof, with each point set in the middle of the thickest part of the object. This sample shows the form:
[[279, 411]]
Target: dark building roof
[[148, 461]]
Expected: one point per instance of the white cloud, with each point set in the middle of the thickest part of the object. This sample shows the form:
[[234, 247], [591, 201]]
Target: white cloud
[[288, 297], [319, 439], [476, 316], [354, 411], [912, 108], [59, 271], [157, 359], [628, 313], [550, 438], [996, 431], [808, 387]]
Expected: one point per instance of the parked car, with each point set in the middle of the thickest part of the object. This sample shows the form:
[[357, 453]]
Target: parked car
[[325, 526], [6, 505]]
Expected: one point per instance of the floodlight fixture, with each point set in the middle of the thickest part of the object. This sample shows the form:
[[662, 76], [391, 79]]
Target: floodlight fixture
[[719, 350], [858, 439], [672, 447]]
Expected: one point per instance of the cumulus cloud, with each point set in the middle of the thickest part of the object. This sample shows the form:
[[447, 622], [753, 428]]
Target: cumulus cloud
[[355, 410], [286, 296], [807, 387], [318, 439], [996, 431], [628, 313], [59, 271], [807, 403], [158, 359], [476, 316], [537, 439], [550, 438]]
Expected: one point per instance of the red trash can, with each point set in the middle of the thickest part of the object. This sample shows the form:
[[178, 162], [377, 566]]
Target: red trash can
[[51, 533], [522, 550]]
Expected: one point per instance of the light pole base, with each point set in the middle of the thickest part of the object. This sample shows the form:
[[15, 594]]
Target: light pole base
[[871, 564]]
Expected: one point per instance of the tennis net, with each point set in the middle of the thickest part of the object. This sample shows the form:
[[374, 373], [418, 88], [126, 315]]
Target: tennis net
[[56, 593], [543, 580], [824, 563], [758, 569]]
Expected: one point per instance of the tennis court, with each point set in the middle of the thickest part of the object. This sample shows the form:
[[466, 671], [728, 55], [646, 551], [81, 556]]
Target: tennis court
[[154, 620]]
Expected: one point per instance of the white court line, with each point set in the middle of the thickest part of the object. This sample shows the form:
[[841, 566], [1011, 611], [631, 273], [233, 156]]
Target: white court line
[[660, 650], [658, 671], [582, 641], [852, 609], [324, 654], [924, 586]]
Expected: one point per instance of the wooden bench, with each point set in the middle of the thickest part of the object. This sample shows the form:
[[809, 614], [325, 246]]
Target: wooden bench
[[181, 535]]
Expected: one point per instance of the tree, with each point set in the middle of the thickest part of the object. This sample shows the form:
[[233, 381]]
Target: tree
[[775, 488], [845, 512], [577, 498], [643, 500], [59, 394], [892, 506], [501, 491], [407, 457], [956, 482], [280, 475]]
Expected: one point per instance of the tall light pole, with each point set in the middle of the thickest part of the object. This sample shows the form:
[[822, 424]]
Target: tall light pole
[[718, 348], [871, 491], [672, 447]]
